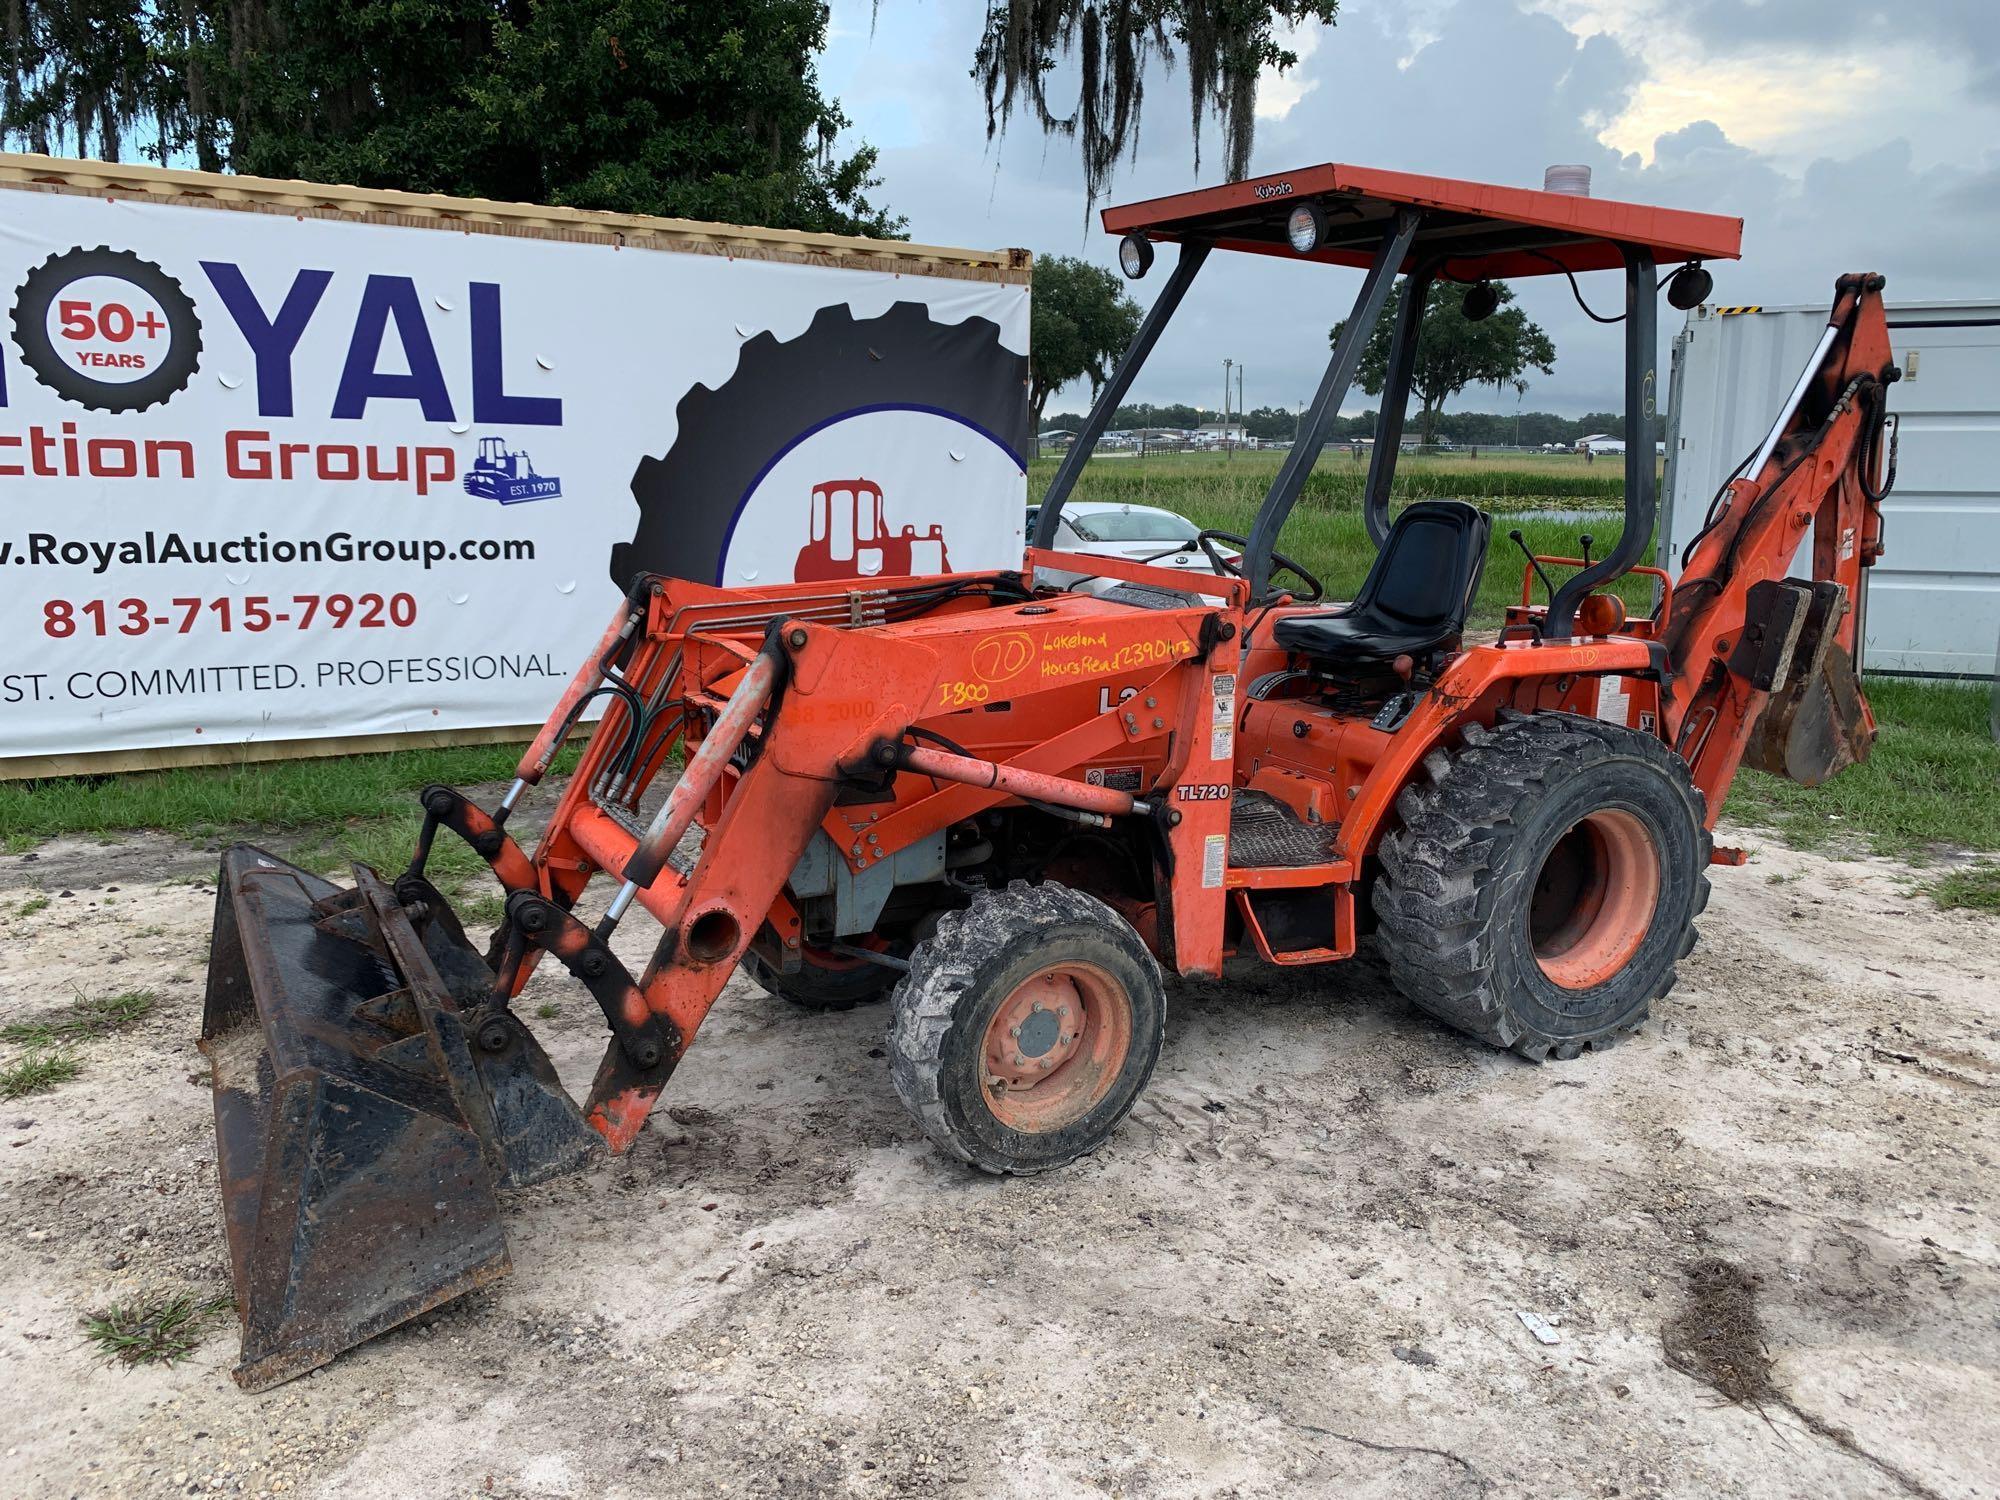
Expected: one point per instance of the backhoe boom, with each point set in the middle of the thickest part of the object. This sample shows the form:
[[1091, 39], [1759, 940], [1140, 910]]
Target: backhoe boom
[[1761, 664]]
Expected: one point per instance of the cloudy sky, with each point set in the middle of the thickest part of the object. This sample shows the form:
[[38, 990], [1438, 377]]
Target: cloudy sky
[[1849, 136]]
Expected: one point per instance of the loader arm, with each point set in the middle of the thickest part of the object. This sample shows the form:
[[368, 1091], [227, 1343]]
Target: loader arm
[[1766, 665]]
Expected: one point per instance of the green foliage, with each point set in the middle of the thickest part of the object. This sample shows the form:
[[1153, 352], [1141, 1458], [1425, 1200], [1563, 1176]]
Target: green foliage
[[1454, 352], [1225, 45], [82, 72], [152, 1330], [90, 1016], [1973, 889], [1082, 320], [479, 908], [1929, 781], [37, 1073], [296, 794], [684, 109]]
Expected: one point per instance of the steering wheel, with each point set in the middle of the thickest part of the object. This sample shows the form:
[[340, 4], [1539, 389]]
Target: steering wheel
[[1315, 590]]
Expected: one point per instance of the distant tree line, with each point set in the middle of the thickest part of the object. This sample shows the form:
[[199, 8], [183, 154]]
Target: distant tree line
[[1465, 428]]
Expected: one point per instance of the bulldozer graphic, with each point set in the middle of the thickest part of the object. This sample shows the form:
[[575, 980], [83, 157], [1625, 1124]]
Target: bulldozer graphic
[[510, 478], [850, 539]]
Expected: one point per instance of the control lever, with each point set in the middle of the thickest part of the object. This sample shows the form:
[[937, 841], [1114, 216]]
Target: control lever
[[1586, 539], [1514, 536]]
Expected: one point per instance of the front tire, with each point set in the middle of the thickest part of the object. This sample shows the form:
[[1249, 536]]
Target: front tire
[[1544, 882], [1026, 1028]]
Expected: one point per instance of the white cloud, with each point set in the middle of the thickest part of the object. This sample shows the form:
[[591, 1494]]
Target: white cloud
[[1496, 90], [1278, 93]]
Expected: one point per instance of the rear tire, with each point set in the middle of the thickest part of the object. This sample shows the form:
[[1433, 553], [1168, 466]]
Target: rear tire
[[1544, 882], [1026, 1028], [836, 984]]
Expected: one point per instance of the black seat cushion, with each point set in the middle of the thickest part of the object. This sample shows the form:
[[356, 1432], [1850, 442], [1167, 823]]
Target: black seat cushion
[[1415, 598], [1344, 638]]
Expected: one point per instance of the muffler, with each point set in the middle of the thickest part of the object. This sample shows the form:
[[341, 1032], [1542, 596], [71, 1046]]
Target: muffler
[[369, 1103]]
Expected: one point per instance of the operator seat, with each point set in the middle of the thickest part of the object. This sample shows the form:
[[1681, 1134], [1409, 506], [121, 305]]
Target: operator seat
[[1413, 602]]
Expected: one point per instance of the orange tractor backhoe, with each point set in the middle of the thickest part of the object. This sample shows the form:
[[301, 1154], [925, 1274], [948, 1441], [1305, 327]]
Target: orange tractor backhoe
[[1014, 806]]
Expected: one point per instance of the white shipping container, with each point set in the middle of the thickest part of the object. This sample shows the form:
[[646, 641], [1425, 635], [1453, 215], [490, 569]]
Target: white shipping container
[[1933, 605]]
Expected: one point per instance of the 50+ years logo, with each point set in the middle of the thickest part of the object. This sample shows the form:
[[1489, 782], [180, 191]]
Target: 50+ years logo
[[106, 329]]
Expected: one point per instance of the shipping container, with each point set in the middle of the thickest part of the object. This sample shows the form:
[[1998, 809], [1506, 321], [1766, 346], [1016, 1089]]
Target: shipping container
[[1933, 606]]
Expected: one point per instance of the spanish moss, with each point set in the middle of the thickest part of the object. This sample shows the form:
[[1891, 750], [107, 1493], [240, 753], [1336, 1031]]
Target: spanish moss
[[1226, 44]]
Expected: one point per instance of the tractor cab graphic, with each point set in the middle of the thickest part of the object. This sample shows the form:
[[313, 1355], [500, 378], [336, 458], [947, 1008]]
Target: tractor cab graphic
[[851, 540], [507, 477]]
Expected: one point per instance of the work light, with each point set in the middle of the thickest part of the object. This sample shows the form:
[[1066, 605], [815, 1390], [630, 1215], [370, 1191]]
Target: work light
[[1135, 256], [1306, 227], [1690, 286]]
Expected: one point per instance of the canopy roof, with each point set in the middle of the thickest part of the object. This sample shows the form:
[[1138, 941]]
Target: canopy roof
[[1482, 230]]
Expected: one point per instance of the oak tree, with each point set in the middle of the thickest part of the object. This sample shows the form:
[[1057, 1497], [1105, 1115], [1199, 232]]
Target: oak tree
[[1453, 351], [1081, 321]]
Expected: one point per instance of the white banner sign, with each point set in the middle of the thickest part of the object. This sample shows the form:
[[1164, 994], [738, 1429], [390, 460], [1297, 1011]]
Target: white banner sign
[[272, 478]]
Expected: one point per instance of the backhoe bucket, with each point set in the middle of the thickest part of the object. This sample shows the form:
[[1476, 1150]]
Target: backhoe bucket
[[360, 1137], [1816, 723]]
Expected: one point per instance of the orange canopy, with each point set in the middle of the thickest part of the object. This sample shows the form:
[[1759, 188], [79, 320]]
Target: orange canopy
[[1481, 229]]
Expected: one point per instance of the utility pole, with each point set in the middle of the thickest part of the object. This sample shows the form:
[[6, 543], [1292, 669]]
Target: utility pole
[[1223, 434]]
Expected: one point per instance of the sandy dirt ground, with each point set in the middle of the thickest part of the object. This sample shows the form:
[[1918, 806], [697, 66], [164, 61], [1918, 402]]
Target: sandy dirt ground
[[1298, 1269]]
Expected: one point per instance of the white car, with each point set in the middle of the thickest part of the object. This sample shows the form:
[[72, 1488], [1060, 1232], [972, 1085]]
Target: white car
[[1137, 533]]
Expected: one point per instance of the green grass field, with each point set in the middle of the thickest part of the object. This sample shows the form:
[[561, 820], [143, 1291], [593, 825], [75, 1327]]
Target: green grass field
[[295, 795], [1933, 780], [1507, 480]]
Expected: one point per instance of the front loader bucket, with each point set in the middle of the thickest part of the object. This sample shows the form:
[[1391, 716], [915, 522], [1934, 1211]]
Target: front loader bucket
[[1817, 723], [360, 1137]]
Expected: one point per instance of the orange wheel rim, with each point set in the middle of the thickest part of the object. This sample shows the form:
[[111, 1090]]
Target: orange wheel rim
[[1594, 899], [1055, 1047]]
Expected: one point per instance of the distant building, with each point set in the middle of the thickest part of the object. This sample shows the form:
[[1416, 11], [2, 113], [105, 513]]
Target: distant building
[[1223, 432]]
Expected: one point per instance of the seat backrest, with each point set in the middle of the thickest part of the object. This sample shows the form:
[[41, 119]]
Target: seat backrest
[[1428, 568]]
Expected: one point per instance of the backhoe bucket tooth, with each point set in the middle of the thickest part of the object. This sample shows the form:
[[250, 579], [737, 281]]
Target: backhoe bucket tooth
[[1816, 723], [360, 1137]]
